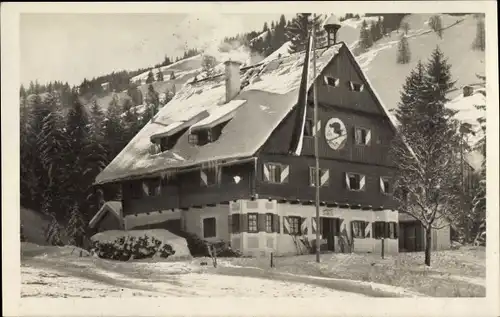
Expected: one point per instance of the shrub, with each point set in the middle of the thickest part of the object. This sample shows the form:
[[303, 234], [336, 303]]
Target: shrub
[[123, 249]]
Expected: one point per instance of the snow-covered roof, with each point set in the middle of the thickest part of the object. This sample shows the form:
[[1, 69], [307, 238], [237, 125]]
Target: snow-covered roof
[[218, 115], [270, 93], [110, 206]]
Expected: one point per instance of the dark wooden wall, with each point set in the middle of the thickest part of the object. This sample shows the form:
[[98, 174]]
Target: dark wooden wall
[[298, 186], [186, 191]]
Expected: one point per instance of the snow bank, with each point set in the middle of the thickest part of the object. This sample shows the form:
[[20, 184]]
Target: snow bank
[[34, 250], [179, 244]]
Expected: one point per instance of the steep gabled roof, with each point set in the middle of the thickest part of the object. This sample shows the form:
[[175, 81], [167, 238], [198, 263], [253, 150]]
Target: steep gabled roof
[[270, 94]]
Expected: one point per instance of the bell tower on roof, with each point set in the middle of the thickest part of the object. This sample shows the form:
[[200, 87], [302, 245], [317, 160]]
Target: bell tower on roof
[[331, 26]]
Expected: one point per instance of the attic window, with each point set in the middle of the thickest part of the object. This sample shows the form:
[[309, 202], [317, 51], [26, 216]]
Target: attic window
[[204, 136], [331, 81], [168, 142], [362, 136], [355, 86]]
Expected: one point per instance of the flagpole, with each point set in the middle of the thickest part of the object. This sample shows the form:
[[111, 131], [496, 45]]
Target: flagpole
[[317, 181]]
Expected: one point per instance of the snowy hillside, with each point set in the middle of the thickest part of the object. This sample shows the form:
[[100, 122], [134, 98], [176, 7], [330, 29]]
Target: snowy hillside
[[388, 77]]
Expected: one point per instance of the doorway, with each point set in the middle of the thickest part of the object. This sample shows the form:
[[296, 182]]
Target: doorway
[[329, 229], [411, 237]]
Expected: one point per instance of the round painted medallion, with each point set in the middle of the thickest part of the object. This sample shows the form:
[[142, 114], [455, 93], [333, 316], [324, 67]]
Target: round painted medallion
[[335, 133]]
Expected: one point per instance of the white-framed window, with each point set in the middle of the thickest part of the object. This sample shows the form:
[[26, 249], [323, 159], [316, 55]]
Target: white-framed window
[[331, 81], [353, 86], [355, 182], [193, 138], [358, 229], [362, 136], [385, 185], [153, 186], [275, 173], [209, 227], [324, 176], [252, 223]]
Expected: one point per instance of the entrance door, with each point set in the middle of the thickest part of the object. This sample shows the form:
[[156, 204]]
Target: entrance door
[[329, 231]]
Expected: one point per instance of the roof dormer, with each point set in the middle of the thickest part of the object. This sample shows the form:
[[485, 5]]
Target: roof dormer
[[209, 129]]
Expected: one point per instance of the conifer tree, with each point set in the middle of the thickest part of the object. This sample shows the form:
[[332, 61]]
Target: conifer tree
[[405, 26], [365, 37], [113, 129], [159, 75], [53, 233], [436, 25], [300, 28], [427, 182], [404, 54], [76, 228], [480, 40], [150, 78]]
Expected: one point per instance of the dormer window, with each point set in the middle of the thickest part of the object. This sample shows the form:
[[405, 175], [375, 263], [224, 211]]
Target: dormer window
[[331, 81], [204, 136], [353, 86]]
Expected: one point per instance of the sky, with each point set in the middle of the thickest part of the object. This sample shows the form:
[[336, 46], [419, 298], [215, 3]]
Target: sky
[[71, 47]]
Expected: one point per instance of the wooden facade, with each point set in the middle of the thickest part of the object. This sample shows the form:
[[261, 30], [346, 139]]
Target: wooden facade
[[343, 95]]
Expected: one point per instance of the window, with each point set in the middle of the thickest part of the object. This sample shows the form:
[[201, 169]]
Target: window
[[269, 222], [355, 182], [154, 148], [209, 176], [308, 128], [252, 223], [331, 81], [168, 142], [209, 227], [324, 176], [294, 225], [362, 136], [275, 173], [193, 138], [355, 86], [385, 185], [379, 229], [358, 229]]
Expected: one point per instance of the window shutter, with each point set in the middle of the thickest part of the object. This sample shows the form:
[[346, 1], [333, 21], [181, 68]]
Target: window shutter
[[317, 128], [361, 87], [325, 79], [347, 183], [230, 223], [145, 188], [313, 225], [286, 225], [368, 137], [204, 179], [362, 183], [382, 185], [265, 169], [261, 222], [396, 230], [325, 176], [367, 229], [278, 225], [244, 224], [284, 174], [387, 233], [236, 223], [303, 226]]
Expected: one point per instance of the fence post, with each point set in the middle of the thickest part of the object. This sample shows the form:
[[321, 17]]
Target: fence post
[[215, 256], [272, 263], [383, 245]]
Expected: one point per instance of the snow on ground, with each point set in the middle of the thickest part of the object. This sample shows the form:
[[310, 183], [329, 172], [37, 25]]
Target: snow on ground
[[356, 23], [88, 277]]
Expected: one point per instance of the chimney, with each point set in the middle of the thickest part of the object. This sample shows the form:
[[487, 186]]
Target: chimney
[[233, 81]]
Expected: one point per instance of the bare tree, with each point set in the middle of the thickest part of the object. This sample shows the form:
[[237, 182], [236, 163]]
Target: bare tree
[[405, 26]]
